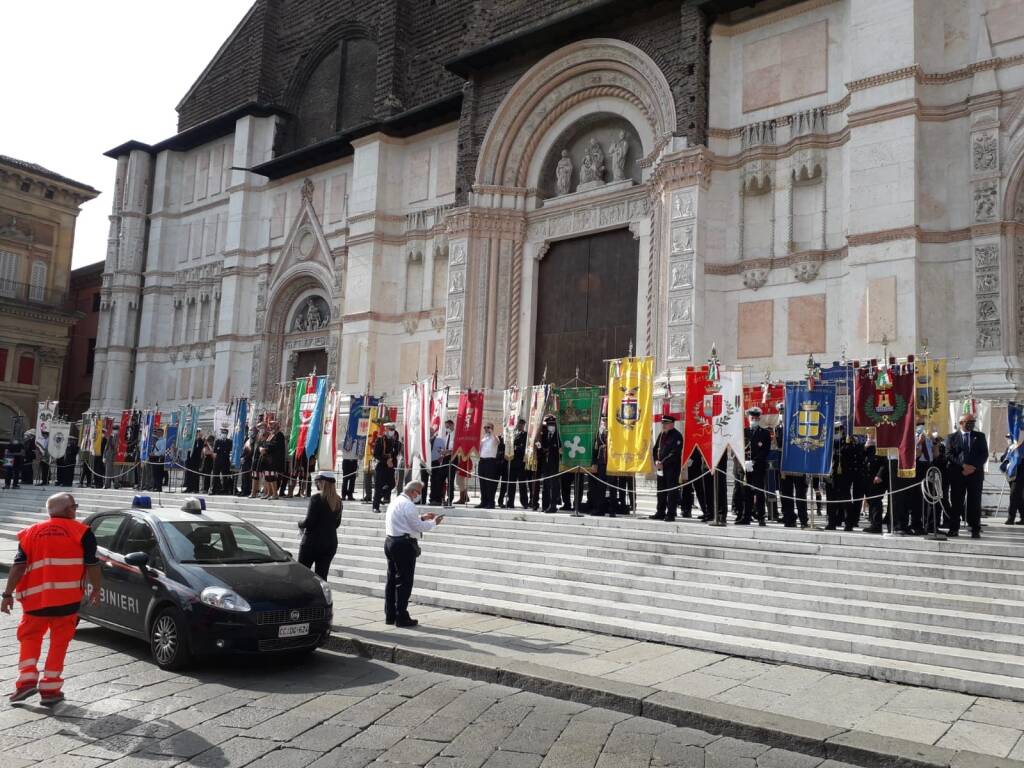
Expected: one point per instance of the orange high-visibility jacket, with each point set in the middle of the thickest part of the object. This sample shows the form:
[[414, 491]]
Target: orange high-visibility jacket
[[55, 569]]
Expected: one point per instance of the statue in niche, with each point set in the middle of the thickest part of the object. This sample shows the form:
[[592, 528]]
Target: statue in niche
[[310, 318], [597, 158], [563, 174], [618, 151], [587, 175]]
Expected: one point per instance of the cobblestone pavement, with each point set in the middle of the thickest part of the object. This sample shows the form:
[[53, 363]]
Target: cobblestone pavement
[[329, 711]]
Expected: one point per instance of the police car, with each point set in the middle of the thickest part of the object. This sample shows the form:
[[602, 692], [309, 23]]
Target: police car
[[194, 582]]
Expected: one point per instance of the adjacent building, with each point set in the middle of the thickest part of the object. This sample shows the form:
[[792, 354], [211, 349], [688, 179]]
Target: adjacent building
[[38, 209], [84, 299], [504, 191]]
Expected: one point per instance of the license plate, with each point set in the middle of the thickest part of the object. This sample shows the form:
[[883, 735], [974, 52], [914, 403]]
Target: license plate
[[293, 630]]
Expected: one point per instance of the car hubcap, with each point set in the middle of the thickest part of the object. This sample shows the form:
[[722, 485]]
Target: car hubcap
[[165, 639]]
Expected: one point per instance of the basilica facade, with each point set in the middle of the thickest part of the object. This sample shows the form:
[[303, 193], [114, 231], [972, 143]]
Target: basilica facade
[[517, 191]]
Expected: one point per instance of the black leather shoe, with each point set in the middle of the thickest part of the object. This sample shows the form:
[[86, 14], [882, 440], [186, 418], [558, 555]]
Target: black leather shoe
[[656, 517], [406, 623], [953, 533], [390, 620], [762, 523], [975, 534], [669, 519]]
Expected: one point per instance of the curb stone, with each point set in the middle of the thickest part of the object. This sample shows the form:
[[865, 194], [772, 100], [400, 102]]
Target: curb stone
[[781, 731]]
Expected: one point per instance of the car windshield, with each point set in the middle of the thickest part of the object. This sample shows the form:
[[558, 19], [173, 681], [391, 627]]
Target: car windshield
[[205, 541]]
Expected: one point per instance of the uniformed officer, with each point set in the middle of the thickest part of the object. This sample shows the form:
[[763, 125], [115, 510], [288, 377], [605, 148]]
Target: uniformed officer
[[517, 468], [222, 482], [847, 464], [549, 451], [668, 452], [791, 486], [597, 486], [875, 479], [385, 453], [758, 444]]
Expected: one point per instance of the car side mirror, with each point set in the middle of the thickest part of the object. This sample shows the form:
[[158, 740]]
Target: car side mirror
[[138, 559]]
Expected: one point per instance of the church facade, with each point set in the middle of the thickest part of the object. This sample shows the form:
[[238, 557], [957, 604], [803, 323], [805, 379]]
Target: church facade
[[511, 192]]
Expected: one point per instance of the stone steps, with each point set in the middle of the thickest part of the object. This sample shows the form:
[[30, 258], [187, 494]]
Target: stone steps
[[947, 614]]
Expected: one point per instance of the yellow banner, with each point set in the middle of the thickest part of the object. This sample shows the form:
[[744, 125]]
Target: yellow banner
[[630, 414], [931, 396], [97, 437]]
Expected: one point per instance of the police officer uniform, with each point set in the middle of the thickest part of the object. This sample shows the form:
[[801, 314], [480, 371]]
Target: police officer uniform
[[758, 444], [847, 464], [597, 487], [668, 453], [385, 452], [791, 486], [517, 468], [549, 452], [222, 482]]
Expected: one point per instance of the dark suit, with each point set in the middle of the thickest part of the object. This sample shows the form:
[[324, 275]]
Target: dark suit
[[759, 444], [385, 451], [597, 485], [222, 480], [791, 486], [966, 448], [517, 471], [548, 458], [668, 449], [848, 461]]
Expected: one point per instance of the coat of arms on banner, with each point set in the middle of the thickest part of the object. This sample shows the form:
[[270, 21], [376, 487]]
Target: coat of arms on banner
[[886, 406], [807, 427], [628, 413]]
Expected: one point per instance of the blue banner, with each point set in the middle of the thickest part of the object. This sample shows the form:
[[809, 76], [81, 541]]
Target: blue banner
[[147, 431], [807, 431], [841, 376], [316, 421], [1015, 419], [171, 438], [358, 409], [241, 428]]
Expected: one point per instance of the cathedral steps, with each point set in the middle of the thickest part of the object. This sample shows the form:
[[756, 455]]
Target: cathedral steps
[[946, 614]]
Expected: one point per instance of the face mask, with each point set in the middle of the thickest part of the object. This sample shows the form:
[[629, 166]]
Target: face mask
[[487, 432], [755, 422], [551, 430], [920, 431], [969, 426], [604, 429]]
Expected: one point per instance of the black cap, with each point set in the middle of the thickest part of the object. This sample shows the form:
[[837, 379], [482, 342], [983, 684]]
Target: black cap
[[668, 418]]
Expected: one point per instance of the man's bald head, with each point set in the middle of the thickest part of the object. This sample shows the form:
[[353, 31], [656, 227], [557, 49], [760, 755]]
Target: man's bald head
[[61, 505]]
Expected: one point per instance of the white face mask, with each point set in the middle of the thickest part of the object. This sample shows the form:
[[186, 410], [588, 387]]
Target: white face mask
[[551, 430], [755, 422], [920, 431]]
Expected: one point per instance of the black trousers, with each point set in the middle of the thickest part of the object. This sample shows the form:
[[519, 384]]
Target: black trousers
[[533, 487], [753, 496], [319, 561], [506, 488], [566, 483], [551, 489], [839, 489], [1016, 502], [488, 482], [793, 485], [349, 470], [517, 475], [383, 483], [438, 477], [401, 555], [425, 475], [668, 493], [598, 493], [222, 482], [965, 495]]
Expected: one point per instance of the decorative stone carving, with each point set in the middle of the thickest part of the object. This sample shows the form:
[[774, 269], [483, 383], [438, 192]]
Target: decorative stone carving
[[985, 152], [457, 282], [680, 310], [681, 275], [458, 255], [989, 337], [563, 174], [592, 170], [410, 324], [313, 316], [453, 338], [986, 195], [987, 282], [986, 256], [679, 346], [808, 121], [987, 310], [807, 270], [1019, 258], [682, 204], [557, 225], [452, 366], [755, 277], [437, 322], [682, 240], [307, 190], [756, 134], [758, 177], [617, 151], [455, 311]]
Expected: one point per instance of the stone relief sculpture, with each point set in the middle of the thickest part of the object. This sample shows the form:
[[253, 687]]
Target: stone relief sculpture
[[587, 175], [618, 151], [985, 197], [597, 155], [592, 170], [563, 174], [313, 316]]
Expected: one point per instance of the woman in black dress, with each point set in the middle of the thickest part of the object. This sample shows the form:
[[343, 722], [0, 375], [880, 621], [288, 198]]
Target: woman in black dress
[[275, 458], [245, 469], [320, 528], [207, 465]]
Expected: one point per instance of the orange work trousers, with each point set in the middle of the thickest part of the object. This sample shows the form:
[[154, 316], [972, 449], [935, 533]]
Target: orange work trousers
[[31, 631]]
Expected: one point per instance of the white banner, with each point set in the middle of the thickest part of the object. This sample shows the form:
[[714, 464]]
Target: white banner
[[980, 409], [44, 414], [438, 413], [512, 412], [727, 419], [59, 433], [327, 449], [416, 423]]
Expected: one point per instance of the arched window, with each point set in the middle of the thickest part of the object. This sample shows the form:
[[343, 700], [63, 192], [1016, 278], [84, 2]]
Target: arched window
[[337, 94], [26, 369], [37, 283]]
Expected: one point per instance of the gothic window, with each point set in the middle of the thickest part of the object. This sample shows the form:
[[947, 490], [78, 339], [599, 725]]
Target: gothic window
[[37, 284], [190, 323], [176, 332], [204, 321], [439, 290], [8, 273], [337, 94], [414, 283]]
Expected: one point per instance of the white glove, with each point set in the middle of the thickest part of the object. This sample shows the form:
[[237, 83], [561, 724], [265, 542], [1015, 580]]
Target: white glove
[[748, 466]]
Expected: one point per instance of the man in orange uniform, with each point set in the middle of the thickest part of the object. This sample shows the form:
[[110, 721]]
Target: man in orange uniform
[[54, 558]]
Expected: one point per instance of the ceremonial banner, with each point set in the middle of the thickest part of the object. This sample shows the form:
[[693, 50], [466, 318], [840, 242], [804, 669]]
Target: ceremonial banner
[[240, 432], [579, 410], [326, 453], [696, 428], [534, 420], [930, 404], [713, 418], [158, 449], [85, 434], [146, 431], [122, 436], [512, 412], [468, 424], [189, 425], [884, 399], [358, 423], [1015, 420], [303, 388], [171, 436], [630, 409], [416, 422], [377, 419], [808, 429], [767, 397], [980, 408], [315, 425], [285, 408], [60, 431], [438, 412], [44, 414], [98, 432], [841, 376]]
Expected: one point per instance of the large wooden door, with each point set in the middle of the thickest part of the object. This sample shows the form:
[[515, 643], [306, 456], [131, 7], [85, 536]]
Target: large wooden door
[[586, 307], [310, 361]]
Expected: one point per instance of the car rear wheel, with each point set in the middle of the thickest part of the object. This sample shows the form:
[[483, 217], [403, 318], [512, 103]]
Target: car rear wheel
[[168, 640]]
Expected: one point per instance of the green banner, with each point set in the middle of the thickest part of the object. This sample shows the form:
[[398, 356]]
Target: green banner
[[579, 410], [293, 438]]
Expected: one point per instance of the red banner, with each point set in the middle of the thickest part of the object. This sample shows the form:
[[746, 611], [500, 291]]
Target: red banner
[[768, 399], [306, 406], [122, 436], [468, 424], [696, 427], [884, 401], [108, 426]]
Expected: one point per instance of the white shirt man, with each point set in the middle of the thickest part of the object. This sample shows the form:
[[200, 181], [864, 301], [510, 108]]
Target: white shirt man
[[402, 524], [489, 445], [403, 518]]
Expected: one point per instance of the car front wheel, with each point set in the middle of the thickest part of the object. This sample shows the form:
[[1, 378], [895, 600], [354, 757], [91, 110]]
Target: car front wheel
[[168, 640]]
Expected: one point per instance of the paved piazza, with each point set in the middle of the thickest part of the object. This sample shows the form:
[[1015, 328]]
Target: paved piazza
[[331, 711]]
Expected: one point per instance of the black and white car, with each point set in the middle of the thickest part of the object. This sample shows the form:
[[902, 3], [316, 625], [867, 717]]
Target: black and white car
[[195, 583]]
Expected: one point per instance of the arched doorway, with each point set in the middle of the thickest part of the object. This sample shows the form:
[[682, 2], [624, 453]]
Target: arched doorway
[[301, 334]]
